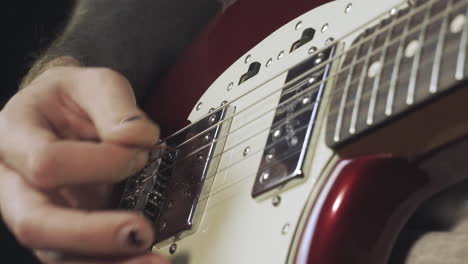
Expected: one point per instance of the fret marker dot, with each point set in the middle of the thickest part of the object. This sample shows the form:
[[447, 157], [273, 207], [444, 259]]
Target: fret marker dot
[[374, 69], [412, 48], [457, 24]]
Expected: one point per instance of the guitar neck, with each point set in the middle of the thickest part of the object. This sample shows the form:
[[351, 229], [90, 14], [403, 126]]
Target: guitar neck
[[406, 60]]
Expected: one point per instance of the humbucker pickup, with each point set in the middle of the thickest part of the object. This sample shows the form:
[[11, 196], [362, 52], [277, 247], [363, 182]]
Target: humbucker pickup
[[169, 188], [289, 136]]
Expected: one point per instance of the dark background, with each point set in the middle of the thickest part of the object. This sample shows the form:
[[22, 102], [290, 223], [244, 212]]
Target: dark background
[[27, 27]]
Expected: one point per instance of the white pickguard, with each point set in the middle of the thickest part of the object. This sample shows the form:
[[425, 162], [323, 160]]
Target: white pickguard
[[235, 228]]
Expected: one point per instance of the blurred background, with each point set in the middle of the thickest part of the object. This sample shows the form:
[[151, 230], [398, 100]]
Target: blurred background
[[28, 26]]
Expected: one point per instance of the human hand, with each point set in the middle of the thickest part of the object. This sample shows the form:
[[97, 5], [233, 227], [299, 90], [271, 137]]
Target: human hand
[[66, 139]]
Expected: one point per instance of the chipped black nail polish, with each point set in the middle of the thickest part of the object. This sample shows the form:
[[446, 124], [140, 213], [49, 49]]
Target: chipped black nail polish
[[134, 239], [133, 118]]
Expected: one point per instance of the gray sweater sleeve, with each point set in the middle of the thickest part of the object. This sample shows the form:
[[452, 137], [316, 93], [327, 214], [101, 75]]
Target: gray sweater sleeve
[[138, 38]]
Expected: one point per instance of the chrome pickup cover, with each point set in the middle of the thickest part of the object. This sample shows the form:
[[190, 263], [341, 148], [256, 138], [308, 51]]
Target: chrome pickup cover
[[292, 126], [168, 189]]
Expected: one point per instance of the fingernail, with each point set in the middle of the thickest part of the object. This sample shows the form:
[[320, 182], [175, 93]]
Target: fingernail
[[133, 118], [134, 239]]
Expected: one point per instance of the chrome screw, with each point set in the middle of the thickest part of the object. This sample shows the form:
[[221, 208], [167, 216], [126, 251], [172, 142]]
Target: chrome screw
[[264, 177], [269, 156], [173, 248], [276, 201], [348, 8], [298, 25], [247, 59], [329, 41], [319, 59], [268, 63], [199, 106], [324, 27], [285, 229], [246, 151], [306, 100], [231, 84], [280, 55], [277, 133], [212, 119], [312, 50]]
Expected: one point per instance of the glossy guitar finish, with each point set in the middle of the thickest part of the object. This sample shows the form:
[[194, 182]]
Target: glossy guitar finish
[[344, 211]]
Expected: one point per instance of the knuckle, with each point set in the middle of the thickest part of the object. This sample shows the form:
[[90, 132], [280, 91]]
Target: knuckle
[[22, 228], [40, 170], [107, 75]]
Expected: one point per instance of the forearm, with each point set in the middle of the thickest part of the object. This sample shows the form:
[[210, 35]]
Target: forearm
[[139, 39]]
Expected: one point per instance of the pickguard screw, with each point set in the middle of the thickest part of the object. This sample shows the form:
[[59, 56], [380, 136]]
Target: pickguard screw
[[285, 229], [280, 55], [207, 137], [276, 201], [268, 63], [231, 84], [247, 59], [298, 25], [223, 103], [312, 80], [329, 41], [393, 11], [348, 8], [264, 177], [173, 248], [306, 100], [324, 27], [246, 151], [312, 50], [211, 110], [199, 106]]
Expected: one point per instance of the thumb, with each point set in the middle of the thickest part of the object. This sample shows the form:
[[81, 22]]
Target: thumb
[[109, 100]]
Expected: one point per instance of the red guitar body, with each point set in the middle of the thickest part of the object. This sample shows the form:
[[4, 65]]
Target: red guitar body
[[371, 195]]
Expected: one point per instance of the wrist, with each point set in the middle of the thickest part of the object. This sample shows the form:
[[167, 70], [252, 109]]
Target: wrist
[[44, 64]]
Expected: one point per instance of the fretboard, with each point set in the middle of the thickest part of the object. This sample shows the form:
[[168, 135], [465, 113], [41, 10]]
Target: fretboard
[[403, 62]]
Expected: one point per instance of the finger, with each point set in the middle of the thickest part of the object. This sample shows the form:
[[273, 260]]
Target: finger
[[62, 163], [38, 224], [108, 98], [57, 258]]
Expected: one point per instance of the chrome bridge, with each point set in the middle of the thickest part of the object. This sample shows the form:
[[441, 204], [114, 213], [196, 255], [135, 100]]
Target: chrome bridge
[[170, 188], [290, 133]]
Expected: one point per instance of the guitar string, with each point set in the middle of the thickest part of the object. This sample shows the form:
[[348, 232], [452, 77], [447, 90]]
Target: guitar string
[[335, 58], [317, 85], [425, 62], [252, 154], [308, 90]]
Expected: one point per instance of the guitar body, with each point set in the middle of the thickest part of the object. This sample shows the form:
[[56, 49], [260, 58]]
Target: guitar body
[[353, 199]]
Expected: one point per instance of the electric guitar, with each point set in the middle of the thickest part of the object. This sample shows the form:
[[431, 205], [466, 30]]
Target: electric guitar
[[316, 128]]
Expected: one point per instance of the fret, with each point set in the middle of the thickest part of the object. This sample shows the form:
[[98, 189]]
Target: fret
[[344, 98], [461, 60], [416, 61], [357, 100], [395, 72], [439, 52]]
